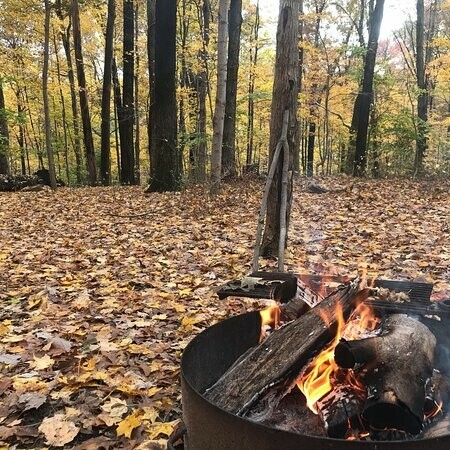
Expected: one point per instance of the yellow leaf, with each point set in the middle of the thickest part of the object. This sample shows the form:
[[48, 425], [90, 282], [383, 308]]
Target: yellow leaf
[[157, 428], [127, 425], [422, 264], [42, 363]]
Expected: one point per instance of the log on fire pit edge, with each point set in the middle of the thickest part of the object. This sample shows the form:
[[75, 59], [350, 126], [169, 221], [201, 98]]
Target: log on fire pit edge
[[283, 353], [397, 365]]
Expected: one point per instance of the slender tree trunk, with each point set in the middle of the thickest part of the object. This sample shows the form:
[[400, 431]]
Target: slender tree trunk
[[422, 98], [63, 108], [105, 159], [219, 112], [311, 146], [254, 49], [166, 173], [284, 97], [229, 126], [137, 125], [296, 151], [361, 111], [4, 135], [65, 37], [201, 146], [126, 130], [151, 5], [48, 131], [84, 104]]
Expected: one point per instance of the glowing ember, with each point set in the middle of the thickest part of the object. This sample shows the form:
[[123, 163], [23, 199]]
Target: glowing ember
[[317, 380], [435, 411], [270, 318]]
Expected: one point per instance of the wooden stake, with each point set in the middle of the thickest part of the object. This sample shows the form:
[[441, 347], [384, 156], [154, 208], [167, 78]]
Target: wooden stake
[[281, 143]]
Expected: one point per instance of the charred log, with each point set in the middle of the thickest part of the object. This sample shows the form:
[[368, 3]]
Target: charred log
[[283, 353], [397, 365]]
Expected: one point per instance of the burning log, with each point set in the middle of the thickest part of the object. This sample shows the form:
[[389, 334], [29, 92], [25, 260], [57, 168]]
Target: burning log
[[397, 365], [283, 353]]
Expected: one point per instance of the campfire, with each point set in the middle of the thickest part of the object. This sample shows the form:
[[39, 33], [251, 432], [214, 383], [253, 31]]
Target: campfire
[[364, 365]]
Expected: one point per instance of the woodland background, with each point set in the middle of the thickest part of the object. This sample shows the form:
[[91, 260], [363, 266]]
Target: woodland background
[[332, 44]]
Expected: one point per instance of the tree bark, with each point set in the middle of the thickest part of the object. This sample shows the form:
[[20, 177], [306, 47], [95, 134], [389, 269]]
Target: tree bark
[[48, 130], [4, 135], [284, 96], [284, 353], [65, 37], [422, 98], [166, 173], [126, 130], [105, 160], [219, 111], [137, 123], [84, 104], [254, 49], [229, 125], [151, 5], [361, 110]]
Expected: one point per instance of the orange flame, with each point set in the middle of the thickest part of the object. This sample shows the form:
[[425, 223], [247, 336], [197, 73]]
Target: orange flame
[[317, 380], [435, 411], [270, 317]]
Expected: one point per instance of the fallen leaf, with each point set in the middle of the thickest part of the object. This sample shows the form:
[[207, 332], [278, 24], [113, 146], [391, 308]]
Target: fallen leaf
[[42, 363], [58, 431], [32, 400], [10, 360], [127, 425]]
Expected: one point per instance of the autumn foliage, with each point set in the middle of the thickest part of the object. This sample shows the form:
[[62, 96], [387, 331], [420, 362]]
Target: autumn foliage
[[102, 289]]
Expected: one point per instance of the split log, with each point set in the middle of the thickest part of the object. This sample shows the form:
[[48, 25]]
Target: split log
[[397, 365], [340, 410], [283, 353]]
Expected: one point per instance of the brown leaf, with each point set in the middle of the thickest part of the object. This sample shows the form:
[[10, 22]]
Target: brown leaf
[[58, 431]]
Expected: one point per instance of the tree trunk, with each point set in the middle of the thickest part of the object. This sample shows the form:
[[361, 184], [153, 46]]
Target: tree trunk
[[4, 135], [284, 96], [151, 5], [63, 108], [105, 160], [198, 171], [48, 131], [219, 111], [126, 130], [361, 110], [84, 104], [422, 98], [254, 49], [65, 37], [229, 126], [137, 125], [296, 151], [166, 171]]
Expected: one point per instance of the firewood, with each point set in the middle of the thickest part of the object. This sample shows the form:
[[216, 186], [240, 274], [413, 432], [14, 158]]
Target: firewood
[[283, 353], [397, 365]]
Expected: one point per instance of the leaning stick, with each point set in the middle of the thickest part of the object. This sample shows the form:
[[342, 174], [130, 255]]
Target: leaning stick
[[262, 212]]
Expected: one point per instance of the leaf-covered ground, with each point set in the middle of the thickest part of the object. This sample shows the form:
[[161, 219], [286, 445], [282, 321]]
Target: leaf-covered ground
[[96, 308]]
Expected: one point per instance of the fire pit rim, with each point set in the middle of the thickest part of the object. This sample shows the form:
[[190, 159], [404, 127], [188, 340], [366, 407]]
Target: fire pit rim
[[351, 444]]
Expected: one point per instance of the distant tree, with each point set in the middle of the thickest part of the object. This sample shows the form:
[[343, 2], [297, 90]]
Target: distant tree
[[127, 120], [284, 97], [105, 161], [229, 126], [219, 111], [364, 99], [166, 168], [4, 135], [82, 89], [47, 118]]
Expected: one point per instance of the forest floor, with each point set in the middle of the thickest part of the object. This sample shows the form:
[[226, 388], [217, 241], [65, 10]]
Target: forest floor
[[101, 289]]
